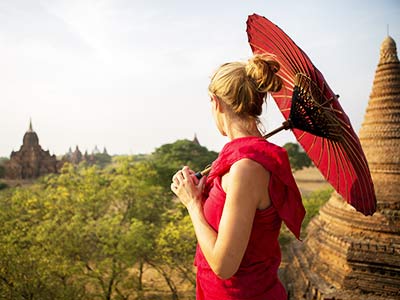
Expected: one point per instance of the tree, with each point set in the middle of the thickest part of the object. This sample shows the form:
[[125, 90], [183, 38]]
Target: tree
[[3, 161], [169, 158], [92, 233], [297, 157], [2, 171], [77, 235]]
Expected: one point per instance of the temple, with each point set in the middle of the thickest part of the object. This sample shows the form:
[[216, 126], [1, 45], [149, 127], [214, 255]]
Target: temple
[[31, 161], [96, 157], [345, 254], [196, 140]]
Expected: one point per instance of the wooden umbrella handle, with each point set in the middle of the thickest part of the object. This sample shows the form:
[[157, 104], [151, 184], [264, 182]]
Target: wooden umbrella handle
[[203, 173]]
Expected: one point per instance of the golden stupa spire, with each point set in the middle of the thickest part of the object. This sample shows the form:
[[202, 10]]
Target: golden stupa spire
[[380, 131], [388, 51]]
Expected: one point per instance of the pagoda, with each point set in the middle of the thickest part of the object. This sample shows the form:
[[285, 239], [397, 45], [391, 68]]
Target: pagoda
[[345, 254], [31, 161]]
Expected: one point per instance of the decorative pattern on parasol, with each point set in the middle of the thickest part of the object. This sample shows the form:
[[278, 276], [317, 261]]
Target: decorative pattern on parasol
[[315, 116]]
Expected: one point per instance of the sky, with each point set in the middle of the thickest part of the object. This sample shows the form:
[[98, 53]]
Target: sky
[[133, 75]]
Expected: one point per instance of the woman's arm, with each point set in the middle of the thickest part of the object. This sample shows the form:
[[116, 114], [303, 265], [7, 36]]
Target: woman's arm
[[246, 186]]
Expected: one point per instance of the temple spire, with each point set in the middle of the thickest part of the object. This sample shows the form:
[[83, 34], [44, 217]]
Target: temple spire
[[195, 140], [30, 125]]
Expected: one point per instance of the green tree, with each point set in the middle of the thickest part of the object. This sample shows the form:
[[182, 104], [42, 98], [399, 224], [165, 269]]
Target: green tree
[[92, 233], [79, 234], [3, 160], [2, 171], [297, 157], [312, 204], [171, 157], [176, 244]]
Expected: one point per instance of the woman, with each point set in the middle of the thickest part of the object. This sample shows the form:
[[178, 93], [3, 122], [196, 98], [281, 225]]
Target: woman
[[238, 210]]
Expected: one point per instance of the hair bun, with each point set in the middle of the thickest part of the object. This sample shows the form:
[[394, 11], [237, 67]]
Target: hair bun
[[262, 69]]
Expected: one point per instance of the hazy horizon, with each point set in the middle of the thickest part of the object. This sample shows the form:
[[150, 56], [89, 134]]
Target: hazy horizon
[[131, 75]]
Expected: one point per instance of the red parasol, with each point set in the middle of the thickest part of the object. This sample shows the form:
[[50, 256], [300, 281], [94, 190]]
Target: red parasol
[[315, 116]]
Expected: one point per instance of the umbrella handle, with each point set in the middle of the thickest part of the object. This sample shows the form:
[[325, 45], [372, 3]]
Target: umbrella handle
[[203, 173], [285, 125]]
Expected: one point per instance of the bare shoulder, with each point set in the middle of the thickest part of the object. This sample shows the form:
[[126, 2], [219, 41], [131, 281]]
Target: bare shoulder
[[248, 173], [247, 182], [247, 168]]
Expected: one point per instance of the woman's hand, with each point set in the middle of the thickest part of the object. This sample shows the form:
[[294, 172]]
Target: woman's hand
[[187, 187]]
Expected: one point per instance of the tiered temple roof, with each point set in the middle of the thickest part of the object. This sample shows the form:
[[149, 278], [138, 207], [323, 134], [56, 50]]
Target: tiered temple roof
[[347, 255], [31, 161]]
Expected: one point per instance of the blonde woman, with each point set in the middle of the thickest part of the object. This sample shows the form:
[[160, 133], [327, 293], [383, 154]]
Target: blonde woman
[[238, 209]]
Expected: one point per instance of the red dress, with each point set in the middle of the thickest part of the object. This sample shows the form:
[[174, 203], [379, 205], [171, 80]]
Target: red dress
[[257, 277]]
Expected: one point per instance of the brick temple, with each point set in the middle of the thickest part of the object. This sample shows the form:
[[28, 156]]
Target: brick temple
[[345, 254], [31, 161]]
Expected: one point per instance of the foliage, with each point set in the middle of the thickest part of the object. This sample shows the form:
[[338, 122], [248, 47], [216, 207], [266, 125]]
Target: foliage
[[92, 233], [3, 160], [312, 204], [102, 159], [297, 157], [3, 185], [171, 157]]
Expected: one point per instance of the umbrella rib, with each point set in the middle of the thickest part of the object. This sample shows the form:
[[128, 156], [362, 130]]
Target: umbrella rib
[[363, 185], [320, 154], [344, 163], [329, 158], [308, 151], [301, 136], [283, 68], [298, 53], [268, 46], [353, 149], [288, 48], [276, 40], [289, 68], [360, 164], [354, 174], [290, 82], [337, 162]]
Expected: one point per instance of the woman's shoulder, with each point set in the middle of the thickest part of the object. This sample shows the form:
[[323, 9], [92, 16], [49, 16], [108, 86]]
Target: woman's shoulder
[[247, 170], [247, 167]]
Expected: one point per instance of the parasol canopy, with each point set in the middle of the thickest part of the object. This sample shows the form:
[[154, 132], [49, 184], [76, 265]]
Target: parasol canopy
[[313, 113]]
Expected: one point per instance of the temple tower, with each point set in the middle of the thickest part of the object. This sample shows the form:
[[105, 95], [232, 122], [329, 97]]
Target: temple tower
[[31, 161], [345, 254]]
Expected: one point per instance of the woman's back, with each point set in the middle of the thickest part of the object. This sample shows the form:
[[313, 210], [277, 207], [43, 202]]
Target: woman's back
[[256, 277]]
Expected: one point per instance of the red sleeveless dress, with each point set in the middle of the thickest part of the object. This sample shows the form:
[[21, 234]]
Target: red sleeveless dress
[[257, 277]]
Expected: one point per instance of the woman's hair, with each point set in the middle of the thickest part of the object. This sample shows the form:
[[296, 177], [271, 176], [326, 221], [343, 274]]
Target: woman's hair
[[242, 86]]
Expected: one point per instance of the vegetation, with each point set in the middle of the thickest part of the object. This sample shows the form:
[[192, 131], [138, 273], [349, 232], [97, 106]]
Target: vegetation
[[297, 157], [93, 233], [171, 157], [3, 160], [102, 159], [312, 203], [96, 233]]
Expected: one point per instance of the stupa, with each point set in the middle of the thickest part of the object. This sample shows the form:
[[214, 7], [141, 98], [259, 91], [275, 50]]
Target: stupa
[[345, 254]]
